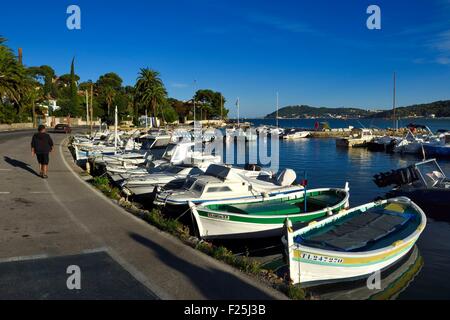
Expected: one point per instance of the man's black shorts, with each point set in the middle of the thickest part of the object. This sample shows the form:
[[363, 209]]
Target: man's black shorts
[[43, 158]]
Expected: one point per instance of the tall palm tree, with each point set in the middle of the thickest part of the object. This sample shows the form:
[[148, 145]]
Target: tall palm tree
[[12, 75], [150, 90], [110, 93]]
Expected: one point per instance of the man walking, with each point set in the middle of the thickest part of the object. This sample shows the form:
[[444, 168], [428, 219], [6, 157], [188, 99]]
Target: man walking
[[41, 146]]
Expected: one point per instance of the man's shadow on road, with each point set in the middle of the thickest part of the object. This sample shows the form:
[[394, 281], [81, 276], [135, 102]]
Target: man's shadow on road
[[19, 164]]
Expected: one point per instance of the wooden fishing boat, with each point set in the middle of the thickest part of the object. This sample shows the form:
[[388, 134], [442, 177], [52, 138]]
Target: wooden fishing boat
[[256, 218], [355, 243]]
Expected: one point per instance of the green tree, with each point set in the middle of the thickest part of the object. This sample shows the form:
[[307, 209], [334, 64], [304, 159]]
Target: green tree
[[13, 76], [211, 103], [149, 91], [74, 101], [111, 79], [45, 75]]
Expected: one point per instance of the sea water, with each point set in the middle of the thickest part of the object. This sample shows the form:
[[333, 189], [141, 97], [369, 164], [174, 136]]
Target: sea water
[[329, 166]]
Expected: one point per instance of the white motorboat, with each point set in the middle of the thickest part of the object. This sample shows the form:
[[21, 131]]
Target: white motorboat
[[182, 153], [295, 134], [170, 174], [358, 138], [149, 147], [221, 182]]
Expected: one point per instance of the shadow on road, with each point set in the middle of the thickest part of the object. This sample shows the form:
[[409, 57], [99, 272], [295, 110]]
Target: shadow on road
[[19, 164], [213, 283]]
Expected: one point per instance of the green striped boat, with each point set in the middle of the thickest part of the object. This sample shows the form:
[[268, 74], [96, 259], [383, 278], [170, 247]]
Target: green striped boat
[[256, 218]]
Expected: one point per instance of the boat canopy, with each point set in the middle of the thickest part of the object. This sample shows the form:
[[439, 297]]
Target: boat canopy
[[221, 172]]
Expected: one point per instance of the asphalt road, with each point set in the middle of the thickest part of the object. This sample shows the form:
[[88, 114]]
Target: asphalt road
[[48, 225]]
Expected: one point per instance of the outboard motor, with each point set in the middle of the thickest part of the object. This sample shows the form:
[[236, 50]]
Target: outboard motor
[[286, 177], [397, 177]]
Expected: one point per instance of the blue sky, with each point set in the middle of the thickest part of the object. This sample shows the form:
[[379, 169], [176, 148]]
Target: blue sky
[[312, 52]]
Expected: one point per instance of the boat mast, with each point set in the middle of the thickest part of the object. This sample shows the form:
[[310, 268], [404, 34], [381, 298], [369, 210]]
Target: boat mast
[[195, 86], [277, 108], [116, 121], [238, 106], [221, 107], [394, 103]]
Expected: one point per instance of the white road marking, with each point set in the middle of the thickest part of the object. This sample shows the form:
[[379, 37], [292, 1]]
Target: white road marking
[[40, 192], [15, 259], [5, 192]]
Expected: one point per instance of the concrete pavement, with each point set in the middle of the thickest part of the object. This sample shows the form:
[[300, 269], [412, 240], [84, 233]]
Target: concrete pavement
[[41, 220]]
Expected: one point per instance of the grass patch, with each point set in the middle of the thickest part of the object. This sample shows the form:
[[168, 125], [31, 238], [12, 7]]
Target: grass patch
[[243, 263], [295, 292], [174, 227], [102, 183]]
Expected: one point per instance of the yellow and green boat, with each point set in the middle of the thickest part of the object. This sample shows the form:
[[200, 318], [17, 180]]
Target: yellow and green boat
[[355, 243]]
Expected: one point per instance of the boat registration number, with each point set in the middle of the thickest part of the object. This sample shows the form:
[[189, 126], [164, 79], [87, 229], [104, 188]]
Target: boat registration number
[[218, 216], [324, 259]]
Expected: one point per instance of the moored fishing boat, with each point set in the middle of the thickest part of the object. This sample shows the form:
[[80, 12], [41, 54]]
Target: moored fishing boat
[[425, 183], [358, 138], [256, 218], [354, 243], [440, 149]]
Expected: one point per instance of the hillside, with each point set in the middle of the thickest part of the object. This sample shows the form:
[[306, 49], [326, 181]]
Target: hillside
[[438, 109], [304, 111]]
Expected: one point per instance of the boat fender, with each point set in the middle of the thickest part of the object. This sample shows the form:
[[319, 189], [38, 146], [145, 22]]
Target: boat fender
[[397, 243], [329, 212], [312, 223], [88, 167], [265, 194]]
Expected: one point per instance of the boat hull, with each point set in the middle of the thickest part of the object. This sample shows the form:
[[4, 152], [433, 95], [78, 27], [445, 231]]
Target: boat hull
[[214, 224], [222, 226], [310, 265], [318, 267], [437, 151]]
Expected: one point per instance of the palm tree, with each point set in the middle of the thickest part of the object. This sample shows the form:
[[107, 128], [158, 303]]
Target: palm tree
[[109, 93], [150, 90], [12, 75]]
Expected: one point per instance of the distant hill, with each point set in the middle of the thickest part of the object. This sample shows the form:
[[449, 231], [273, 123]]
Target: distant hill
[[438, 109], [304, 111]]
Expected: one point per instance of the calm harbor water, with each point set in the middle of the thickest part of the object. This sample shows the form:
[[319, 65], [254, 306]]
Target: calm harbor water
[[329, 166]]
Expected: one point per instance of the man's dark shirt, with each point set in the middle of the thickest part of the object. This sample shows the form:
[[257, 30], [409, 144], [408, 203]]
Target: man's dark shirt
[[42, 143]]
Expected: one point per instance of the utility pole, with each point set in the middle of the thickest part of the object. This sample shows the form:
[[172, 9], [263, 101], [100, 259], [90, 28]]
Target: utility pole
[[87, 107]]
